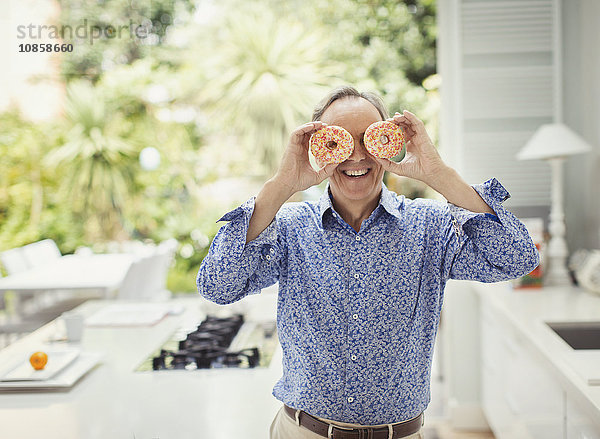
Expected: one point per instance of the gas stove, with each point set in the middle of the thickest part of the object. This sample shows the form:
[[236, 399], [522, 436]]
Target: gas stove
[[217, 342]]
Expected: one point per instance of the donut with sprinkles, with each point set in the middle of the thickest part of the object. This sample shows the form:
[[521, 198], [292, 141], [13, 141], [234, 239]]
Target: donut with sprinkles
[[384, 139], [331, 144]]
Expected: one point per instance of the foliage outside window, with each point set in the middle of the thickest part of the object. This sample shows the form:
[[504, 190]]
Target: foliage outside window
[[215, 88]]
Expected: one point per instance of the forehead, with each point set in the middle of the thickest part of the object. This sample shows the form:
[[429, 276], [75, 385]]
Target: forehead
[[351, 112]]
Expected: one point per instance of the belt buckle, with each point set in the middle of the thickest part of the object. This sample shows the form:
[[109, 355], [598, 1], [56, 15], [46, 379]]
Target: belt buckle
[[331, 427]]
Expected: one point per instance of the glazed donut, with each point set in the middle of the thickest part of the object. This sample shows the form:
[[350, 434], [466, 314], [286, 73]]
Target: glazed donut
[[384, 139], [331, 144]]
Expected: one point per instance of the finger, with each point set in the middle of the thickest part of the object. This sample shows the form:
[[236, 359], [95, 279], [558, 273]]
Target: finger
[[408, 130], [326, 172], [386, 164], [397, 168], [308, 128], [400, 117], [403, 123], [418, 125], [393, 167]]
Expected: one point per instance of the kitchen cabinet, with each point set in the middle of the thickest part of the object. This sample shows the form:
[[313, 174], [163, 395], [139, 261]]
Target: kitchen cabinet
[[579, 424], [520, 398], [531, 383]]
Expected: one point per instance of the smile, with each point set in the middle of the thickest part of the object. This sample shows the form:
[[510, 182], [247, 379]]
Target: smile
[[354, 173]]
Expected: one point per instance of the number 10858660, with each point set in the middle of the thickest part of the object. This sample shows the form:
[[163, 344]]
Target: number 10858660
[[38, 47]]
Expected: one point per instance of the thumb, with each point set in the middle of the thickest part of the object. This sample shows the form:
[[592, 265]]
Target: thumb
[[326, 171], [390, 166]]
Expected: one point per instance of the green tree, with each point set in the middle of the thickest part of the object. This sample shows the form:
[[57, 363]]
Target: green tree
[[406, 28], [114, 32], [263, 79], [31, 207], [95, 161]]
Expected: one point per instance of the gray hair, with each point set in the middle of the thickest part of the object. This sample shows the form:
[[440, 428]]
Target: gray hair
[[346, 91]]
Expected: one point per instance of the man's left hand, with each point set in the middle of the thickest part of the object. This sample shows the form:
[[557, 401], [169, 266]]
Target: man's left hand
[[422, 160]]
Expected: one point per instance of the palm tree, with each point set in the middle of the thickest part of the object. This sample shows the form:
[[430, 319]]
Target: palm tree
[[96, 162], [263, 79]]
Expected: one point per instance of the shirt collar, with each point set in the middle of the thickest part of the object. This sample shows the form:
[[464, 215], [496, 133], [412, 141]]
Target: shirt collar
[[388, 200]]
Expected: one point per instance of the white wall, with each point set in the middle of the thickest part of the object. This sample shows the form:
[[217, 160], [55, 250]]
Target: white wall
[[581, 53]]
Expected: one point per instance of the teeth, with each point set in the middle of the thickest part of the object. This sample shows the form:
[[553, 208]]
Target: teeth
[[356, 173]]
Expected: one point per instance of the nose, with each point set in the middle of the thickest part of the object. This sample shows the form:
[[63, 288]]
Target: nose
[[359, 153]]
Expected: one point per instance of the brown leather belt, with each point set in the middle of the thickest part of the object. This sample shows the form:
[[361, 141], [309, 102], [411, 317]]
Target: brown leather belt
[[398, 430]]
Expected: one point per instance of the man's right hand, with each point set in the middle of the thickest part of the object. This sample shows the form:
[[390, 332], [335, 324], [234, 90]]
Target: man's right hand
[[295, 174], [295, 171]]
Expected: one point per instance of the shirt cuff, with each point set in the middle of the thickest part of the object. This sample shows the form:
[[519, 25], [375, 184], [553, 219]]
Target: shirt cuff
[[494, 194], [243, 211], [243, 214]]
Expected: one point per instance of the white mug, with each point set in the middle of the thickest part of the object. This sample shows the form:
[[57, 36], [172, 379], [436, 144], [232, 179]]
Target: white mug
[[74, 325]]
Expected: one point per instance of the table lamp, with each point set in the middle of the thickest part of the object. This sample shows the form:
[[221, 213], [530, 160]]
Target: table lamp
[[555, 142]]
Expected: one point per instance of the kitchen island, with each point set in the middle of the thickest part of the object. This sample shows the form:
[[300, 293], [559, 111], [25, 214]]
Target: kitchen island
[[113, 400]]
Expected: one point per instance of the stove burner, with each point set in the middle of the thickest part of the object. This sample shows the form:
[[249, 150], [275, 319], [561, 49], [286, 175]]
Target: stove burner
[[206, 347], [234, 359]]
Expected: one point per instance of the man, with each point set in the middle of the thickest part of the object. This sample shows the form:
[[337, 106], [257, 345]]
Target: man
[[361, 273]]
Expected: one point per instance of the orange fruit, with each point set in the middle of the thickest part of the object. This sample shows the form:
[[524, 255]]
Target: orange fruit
[[38, 360]]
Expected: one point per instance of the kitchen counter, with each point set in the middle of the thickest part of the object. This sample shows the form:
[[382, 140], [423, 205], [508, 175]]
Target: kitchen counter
[[115, 401], [525, 312]]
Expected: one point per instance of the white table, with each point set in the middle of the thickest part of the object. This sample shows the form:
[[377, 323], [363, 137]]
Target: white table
[[113, 401], [101, 272]]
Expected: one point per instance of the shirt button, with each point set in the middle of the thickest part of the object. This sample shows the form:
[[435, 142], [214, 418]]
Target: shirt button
[[355, 316], [350, 399], [356, 275], [357, 238], [268, 257], [353, 357]]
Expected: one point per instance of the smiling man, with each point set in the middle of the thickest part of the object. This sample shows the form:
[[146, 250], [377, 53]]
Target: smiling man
[[361, 273]]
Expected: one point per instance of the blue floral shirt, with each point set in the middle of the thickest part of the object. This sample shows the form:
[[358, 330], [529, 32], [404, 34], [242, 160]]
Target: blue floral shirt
[[357, 313]]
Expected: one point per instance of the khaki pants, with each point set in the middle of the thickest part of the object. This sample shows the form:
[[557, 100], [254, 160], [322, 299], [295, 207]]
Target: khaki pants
[[284, 427]]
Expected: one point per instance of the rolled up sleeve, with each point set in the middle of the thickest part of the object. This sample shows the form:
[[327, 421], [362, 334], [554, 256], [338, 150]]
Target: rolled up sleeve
[[486, 247], [233, 268]]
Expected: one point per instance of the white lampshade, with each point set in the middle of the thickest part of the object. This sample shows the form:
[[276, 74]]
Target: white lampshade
[[553, 140]]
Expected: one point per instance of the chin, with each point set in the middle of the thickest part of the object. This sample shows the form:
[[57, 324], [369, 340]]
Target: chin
[[357, 188]]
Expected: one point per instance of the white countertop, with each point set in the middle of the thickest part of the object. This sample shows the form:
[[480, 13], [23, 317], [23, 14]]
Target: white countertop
[[114, 401], [527, 310]]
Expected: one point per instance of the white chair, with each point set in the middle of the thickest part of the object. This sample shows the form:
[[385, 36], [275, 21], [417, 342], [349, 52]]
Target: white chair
[[134, 280], [155, 283], [38, 254], [161, 263], [14, 260], [147, 277], [137, 248], [41, 252]]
